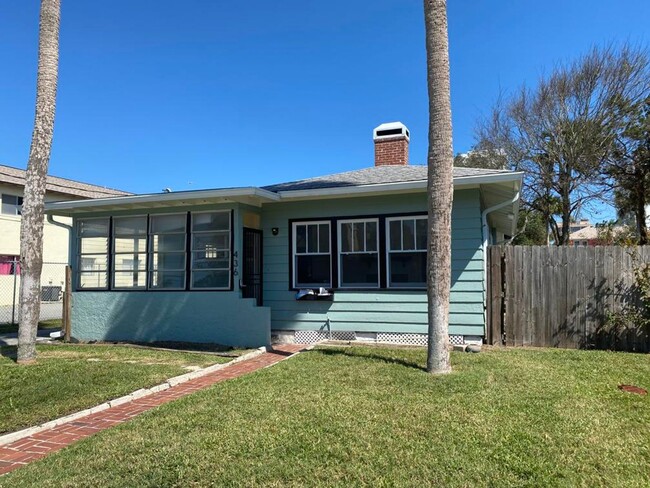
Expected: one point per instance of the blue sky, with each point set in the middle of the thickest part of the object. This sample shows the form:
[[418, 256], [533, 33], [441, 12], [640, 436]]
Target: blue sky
[[201, 94]]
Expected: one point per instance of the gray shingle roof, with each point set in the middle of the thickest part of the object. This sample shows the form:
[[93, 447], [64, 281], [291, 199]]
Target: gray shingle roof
[[16, 176], [375, 175]]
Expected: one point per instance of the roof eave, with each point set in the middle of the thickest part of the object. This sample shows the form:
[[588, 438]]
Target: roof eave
[[399, 187], [253, 195]]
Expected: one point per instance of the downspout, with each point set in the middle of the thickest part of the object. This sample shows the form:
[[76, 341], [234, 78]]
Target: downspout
[[486, 239], [50, 220]]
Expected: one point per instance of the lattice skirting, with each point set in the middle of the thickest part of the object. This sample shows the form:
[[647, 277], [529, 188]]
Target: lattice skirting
[[312, 336]]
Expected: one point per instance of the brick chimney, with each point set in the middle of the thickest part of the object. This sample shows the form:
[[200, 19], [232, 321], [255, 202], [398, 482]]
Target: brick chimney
[[391, 144]]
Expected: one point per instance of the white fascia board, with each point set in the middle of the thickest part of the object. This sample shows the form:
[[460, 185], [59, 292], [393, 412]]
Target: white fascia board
[[402, 187], [188, 196]]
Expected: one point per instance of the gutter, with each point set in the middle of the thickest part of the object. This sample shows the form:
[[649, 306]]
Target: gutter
[[486, 238]]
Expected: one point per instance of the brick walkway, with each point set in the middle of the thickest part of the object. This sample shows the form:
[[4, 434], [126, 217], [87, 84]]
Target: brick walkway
[[24, 451]]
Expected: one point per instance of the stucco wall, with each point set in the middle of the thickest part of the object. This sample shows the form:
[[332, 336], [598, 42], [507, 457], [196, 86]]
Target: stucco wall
[[209, 317], [375, 310]]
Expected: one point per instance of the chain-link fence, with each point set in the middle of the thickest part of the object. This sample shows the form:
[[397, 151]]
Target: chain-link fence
[[52, 288]]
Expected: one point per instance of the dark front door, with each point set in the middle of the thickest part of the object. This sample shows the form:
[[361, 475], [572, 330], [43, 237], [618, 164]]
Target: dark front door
[[252, 265]]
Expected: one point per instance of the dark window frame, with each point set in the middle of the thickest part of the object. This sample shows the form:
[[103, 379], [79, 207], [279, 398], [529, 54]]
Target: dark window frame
[[188, 236], [383, 249]]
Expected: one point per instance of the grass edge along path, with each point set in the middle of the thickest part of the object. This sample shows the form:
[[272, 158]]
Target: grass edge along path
[[28, 449]]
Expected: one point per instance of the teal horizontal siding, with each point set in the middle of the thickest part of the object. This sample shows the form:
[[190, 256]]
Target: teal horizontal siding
[[375, 310]]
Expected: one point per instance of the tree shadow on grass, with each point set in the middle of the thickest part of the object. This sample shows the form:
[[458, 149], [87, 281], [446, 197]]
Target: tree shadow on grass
[[10, 352], [356, 353]]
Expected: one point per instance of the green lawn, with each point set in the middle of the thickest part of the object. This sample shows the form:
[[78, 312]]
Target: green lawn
[[68, 378], [371, 416]]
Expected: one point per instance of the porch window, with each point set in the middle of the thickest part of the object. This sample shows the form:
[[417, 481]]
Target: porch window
[[211, 250], [129, 252], [407, 252], [167, 236], [92, 249], [312, 259], [358, 253]]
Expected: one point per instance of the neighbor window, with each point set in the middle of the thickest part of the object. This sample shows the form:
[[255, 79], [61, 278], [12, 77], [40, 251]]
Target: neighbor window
[[167, 239], [9, 265], [407, 251], [358, 253], [92, 248], [211, 250], [312, 265], [130, 252], [11, 204]]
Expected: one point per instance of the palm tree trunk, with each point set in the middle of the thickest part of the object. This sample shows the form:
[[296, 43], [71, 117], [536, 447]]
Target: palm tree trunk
[[440, 186], [31, 228]]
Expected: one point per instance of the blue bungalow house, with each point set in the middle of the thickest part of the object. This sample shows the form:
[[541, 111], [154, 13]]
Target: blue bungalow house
[[341, 256]]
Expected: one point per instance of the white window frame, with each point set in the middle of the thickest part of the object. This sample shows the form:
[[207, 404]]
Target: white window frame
[[192, 250], [80, 256], [295, 254], [151, 253], [402, 218], [115, 253], [342, 253]]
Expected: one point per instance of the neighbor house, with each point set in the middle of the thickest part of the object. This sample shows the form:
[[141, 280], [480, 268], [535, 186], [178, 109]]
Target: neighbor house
[[55, 238], [341, 256]]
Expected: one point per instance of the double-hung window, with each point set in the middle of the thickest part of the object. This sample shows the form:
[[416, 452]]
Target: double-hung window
[[407, 252], [358, 253], [167, 239], [312, 265], [92, 249], [211, 250], [130, 252]]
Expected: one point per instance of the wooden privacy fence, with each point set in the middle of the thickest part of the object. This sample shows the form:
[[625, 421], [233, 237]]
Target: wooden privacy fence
[[564, 296]]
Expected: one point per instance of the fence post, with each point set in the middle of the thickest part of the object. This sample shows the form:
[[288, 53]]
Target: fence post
[[67, 304], [13, 301]]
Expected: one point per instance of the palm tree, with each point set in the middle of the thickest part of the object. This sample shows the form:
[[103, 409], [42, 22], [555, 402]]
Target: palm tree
[[440, 186], [31, 228]]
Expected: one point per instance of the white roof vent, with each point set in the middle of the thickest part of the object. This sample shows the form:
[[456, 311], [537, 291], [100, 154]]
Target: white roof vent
[[390, 130]]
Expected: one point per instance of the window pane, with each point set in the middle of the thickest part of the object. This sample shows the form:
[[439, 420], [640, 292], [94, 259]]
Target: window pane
[[395, 231], [168, 261], [324, 238], [93, 280], [211, 279], [312, 238], [129, 280], [93, 228], [211, 260], [94, 245], [168, 242], [408, 269], [93, 263], [130, 226], [129, 262], [346, 237], [359, 270], [301, 238], [130, 244], [11, 204], [421, 234], [211, 241], [168, 223], [371, 236], [167, 279], [312, 271], [408, 227], [357, 236], [210, 221]]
